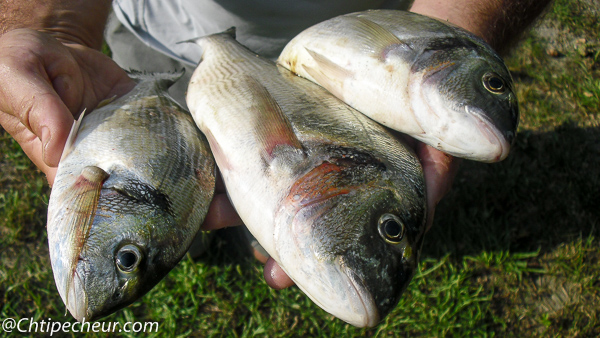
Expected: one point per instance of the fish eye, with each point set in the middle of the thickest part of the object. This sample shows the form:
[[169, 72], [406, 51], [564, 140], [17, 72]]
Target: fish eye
[[391, 228], [494, 83], [128, 258]]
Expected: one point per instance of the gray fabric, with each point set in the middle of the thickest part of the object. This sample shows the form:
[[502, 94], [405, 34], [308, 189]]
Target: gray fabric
[[132, 54], [264, 26], [143, 34]]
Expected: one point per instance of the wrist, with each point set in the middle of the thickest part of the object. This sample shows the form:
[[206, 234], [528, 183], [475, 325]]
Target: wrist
[[477, 17], [500, 23], [69, 21]]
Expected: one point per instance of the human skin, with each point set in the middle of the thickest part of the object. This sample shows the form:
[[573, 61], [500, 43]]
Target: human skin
[[51, 70]]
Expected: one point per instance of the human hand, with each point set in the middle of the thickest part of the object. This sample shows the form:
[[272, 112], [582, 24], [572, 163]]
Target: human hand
[[439, 170], [44, 84], [499, 23]]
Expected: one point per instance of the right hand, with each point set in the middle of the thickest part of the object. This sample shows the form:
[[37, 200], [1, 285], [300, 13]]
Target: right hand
[[45, 84]]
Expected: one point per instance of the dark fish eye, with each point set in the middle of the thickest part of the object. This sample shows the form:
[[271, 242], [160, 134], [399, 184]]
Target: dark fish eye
[[494, 83], [128, 258], [391, 228]]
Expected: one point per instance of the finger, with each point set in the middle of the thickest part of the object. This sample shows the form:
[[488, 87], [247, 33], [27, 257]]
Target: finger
[[44, 84], [30, 97], [275, 276], [221, 214], [39, 113], [29, 142], [102, 77], [439, 170]]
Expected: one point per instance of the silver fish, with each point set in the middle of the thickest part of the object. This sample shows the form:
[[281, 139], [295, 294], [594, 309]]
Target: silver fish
[[429, 79], [131, 191], [332, 196]]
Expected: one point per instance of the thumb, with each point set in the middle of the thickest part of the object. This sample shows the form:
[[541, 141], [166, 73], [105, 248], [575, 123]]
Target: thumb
[[36, 117], [30, 109], [439, 170]]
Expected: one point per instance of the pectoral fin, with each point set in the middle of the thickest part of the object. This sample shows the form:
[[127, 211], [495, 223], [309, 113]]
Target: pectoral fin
[[80, 213], [270, 125], [316, 186], [375, 39], [328, 74]]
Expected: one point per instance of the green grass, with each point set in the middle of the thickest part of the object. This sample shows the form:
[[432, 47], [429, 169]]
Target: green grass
[[514, 250]]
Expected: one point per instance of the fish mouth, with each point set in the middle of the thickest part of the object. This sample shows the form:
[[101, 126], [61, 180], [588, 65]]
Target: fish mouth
[[68, 276], [327, 280], [463, 132], [368, 315], [459, 130], [74, 296], [338, 290], [499, 142]]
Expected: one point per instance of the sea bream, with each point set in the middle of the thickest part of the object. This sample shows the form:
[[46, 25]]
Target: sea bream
[[423, 77], [331, 195], [132, 188]]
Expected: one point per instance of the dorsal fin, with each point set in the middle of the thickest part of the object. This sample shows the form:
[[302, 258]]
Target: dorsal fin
[[230, 33], [271, 125], [374, 38], [72, 136]]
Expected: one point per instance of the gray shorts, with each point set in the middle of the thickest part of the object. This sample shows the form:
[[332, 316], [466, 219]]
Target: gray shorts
[[131, 53]]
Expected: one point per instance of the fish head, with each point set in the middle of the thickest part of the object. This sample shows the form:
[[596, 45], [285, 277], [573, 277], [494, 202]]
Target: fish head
[[469, 94], [128, 242], [353, 241]]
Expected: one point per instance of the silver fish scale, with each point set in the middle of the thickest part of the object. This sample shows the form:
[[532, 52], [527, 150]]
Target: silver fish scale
[[161, 179], [303, 103], [121, 139], [312, 179], [423, 77]]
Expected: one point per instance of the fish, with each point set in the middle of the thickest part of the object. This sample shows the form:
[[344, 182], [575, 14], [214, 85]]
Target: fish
[[132, 188], [333, 197], [423, 77]]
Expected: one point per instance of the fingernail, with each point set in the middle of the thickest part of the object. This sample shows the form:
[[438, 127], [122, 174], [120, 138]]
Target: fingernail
[[45, 138]]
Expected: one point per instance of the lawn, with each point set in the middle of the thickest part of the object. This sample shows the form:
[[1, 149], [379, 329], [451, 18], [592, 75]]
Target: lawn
[[514, 249]]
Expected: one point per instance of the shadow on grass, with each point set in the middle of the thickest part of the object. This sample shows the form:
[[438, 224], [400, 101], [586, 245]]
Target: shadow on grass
[[545, 193]]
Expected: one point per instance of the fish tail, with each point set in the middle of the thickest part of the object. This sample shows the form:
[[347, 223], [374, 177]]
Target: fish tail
[[228, 32], [164, 80]]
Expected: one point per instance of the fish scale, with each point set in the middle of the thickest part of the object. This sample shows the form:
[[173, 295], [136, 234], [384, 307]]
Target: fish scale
[[315, 181], [426, 78], [143, 175]]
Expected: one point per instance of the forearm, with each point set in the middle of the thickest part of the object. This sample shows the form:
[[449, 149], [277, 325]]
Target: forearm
[[499, 22], [78, 21]]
